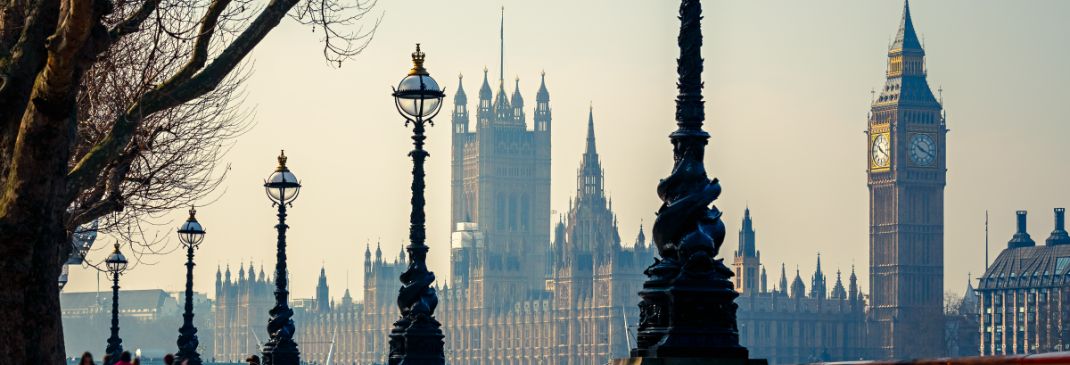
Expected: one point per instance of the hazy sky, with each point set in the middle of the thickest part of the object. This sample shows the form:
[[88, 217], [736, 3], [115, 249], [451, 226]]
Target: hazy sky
[[787, 88]]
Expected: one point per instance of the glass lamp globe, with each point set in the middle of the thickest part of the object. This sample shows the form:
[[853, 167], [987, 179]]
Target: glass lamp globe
[[418, 95], [116, 262], [282, 186], [191, 233]]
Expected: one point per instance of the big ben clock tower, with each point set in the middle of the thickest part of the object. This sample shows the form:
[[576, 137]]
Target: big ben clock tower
[[907, 172]]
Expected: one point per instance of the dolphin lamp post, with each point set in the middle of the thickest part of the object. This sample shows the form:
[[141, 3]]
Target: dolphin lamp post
[[116, 263], [417, 336], [282, 188], [191, 233]]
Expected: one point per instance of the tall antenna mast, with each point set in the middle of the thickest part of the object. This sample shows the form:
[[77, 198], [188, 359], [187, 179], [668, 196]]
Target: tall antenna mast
[[501, 39], [986, 239]]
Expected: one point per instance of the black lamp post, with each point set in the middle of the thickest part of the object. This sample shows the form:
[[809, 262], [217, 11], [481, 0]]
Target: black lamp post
[[191, 233], [116, 264], [687, 308], [417, 337], [282, 188]]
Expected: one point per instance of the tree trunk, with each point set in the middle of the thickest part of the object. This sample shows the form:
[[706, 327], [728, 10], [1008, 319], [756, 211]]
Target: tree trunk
[[29, 293]]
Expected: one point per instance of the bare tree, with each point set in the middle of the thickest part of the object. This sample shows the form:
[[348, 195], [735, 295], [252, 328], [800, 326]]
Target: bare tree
[[120, 110]]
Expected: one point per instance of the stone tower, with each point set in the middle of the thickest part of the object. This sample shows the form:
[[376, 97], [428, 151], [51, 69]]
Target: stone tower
[[907, 173], [747, 258], [501, 192], [323, 293]]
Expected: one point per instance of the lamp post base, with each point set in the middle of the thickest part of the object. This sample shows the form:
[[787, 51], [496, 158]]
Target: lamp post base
[[284, 352]]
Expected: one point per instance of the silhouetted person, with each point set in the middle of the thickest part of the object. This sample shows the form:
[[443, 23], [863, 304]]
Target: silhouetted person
[[87, 359], [124, 359], [107, 359], [253, 360], [169, 359]]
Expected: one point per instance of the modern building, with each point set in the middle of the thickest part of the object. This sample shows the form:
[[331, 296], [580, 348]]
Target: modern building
[[1025, 294], [907, 172], [788, 326], [148, 320]]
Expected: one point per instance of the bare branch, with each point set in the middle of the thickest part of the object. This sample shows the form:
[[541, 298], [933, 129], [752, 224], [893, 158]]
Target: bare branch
[[133, 22]]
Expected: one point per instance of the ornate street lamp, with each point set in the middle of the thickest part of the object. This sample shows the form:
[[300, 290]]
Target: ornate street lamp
[[687, 308], [282, 188], [417, 337], [116, 264], [191, 233]]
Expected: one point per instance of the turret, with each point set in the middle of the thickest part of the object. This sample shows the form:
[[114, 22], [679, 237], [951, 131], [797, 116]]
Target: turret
[[1058, 235], [367, 258], [460, 108], [218, 281], [1021, 237], [503, 111], [559, 237], [852, 288], [765, 282], [818, 289], [378, 253], [798, 289], [589, 179], [323, 296], [838, 292], [228, 275], [518, 104], [542, 107], [485, 112], [640, 239], [746, 236], [783, 280]]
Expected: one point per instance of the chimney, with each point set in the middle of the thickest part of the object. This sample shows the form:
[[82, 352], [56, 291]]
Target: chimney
[[1021, 237], [1059, 235]]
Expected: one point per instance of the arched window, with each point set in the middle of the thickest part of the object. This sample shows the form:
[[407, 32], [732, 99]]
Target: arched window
[[500, 214], [525, 213], [512, 212]]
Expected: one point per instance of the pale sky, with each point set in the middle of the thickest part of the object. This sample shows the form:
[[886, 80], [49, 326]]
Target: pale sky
[[787, 88]]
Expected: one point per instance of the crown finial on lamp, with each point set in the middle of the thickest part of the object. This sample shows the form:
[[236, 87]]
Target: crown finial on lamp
[[282, 161], [418, 62]]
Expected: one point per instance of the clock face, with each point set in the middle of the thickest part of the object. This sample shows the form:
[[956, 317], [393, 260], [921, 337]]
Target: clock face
[[881, 151], [922, 150]]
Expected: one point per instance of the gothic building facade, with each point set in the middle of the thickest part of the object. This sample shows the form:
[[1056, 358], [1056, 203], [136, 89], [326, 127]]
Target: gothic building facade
[[516, 296], [1025, 294], [241, 314], [906, 177], [787, 324]]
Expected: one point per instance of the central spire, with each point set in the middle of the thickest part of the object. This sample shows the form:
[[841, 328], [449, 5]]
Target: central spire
[[591, 151], [906, 39], [501, 48], [590, 175]]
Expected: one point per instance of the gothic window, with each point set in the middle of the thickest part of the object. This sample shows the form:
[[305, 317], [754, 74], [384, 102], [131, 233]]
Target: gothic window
[[500, 212], [512, 212], [525, 212]]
